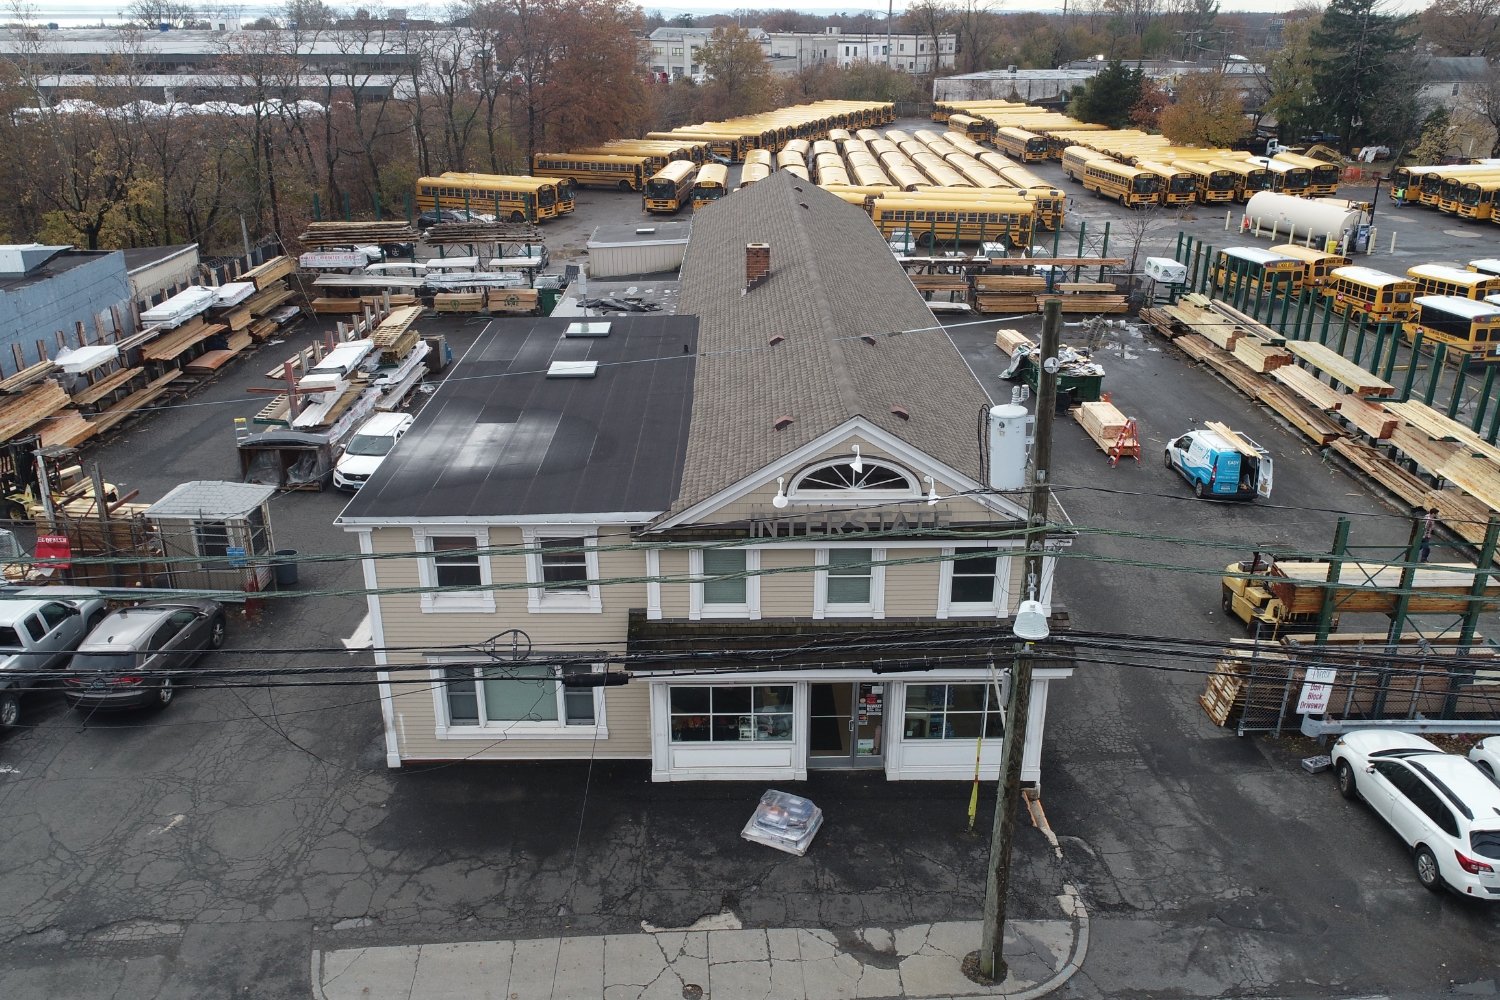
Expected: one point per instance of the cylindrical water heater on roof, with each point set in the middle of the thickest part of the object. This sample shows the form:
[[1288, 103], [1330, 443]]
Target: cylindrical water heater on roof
[[1009, 441]]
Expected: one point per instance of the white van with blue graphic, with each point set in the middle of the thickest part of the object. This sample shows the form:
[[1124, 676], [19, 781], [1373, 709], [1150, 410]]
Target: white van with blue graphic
[[1221, 463]]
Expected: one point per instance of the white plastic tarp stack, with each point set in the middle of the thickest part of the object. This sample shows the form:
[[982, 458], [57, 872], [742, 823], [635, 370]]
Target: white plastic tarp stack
[[784, 821]]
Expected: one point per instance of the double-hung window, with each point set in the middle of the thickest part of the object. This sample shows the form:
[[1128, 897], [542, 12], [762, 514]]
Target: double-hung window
[[849, 584], [520, 699], [454, 570], [973, 583], [726, 583], [562, 568]]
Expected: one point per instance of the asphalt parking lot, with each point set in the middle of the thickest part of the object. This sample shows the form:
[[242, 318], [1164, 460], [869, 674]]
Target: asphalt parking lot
[[204, 851]]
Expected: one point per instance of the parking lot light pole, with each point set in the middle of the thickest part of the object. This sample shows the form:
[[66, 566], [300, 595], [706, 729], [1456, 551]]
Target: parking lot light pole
[[1030, 625]]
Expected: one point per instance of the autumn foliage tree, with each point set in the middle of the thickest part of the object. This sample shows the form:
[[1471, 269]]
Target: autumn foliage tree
[[739, 80], [1207, 112]]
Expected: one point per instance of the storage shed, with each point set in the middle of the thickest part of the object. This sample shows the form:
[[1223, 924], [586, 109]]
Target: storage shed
[[649, 248], [216, 535]]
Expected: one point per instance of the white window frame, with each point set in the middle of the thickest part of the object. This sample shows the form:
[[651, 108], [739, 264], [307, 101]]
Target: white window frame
[[998, 608], [699, 609], [822, 608], [800, 494], [540, 730], [466, 602], [539, 600]]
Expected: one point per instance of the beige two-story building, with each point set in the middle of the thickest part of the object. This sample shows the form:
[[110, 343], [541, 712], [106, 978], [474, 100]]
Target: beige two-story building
[[774, 513]]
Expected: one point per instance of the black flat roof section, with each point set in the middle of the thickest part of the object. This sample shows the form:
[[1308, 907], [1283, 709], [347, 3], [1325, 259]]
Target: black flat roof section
[[500, 438]]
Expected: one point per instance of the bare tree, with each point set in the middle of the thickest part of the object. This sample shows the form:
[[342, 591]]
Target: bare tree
[[150, 13]]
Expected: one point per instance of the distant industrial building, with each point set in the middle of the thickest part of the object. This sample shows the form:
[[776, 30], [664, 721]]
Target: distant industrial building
[[1042, 86], [199, 64], [675, 52], [798, 50]]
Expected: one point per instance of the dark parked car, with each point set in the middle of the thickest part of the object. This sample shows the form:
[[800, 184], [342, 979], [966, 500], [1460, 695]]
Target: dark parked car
[[433, 218], [131, 658]]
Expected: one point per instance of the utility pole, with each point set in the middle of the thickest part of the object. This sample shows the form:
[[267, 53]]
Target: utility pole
[[890, 9], [1018, 698]]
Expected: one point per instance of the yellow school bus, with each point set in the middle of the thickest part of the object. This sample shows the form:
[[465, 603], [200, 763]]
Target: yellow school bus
[[973, 129], [670, 187], [1440, 279], [1177, 187], [510, 198], [607, 170], [1323, 177], [1020, 144], [1075, 158], [1363, 291], [1286, 178], [1470, 329], [1469, 197], [1317, 264], [1130, 186], [1215, 183], [1248, 177], [935, 218], [754, 172], [711, 184], [1257, 268]]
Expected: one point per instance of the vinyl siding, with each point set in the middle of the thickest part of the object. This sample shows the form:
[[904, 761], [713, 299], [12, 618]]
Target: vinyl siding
[[786, 595], [675, 597], [627, 711]]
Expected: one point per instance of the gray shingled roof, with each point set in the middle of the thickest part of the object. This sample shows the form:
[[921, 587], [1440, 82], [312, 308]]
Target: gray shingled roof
[[211, 500], [833, 280]]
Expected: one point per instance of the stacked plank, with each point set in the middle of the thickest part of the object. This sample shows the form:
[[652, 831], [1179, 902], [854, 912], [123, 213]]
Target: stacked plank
[[1340, 369], [394, 337], [170, 345], [106, 387], [940, 283], [1402, 484], [72, 429], [320, 235], [1107, 426], [1007, 292], [338, 306], [1086, 297], [1259, 356], [474, 232], [1010, 341], [271, 272], [23, 408], [453, 302]]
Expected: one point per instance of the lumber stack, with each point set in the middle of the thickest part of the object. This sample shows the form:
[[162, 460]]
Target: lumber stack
[[272, 271], [1312, 422], [1340, 369], [23, 410], [106, 386], [1009, 340], [940, 283], [321, 235], [394, 337], [1407, 486], [1259, 356], [458, 302], [72, 429], [27, 377], [511, 301], [1087, 302], [1107, 426], [337, 306], [1007, 292]]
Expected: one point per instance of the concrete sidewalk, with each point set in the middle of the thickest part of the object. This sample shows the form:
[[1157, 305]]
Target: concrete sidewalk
[[718, 962]]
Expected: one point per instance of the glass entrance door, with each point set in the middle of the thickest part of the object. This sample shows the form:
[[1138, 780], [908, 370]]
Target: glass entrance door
[[846, 724]]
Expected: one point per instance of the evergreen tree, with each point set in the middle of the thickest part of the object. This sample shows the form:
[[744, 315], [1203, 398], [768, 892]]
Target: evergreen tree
[[1108, 98], [1366, 73]]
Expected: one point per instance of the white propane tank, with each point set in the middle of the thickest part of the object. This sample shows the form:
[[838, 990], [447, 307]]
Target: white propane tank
[[1010, 439], [1297, 218]]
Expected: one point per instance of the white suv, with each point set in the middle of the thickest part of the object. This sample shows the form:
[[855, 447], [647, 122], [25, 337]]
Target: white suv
[[368, 447], [1440, 804]]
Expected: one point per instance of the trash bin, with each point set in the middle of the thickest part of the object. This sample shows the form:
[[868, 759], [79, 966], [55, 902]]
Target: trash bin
[[286, 567], [547, 299]]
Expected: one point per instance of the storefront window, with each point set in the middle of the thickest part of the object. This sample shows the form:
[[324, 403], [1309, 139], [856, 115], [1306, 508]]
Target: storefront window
[[952, 712], [738, 714]]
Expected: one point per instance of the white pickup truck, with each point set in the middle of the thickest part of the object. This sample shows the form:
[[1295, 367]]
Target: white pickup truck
[[39, 628]]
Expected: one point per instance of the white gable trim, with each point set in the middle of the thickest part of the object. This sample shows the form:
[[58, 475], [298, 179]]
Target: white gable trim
[[919, 461]]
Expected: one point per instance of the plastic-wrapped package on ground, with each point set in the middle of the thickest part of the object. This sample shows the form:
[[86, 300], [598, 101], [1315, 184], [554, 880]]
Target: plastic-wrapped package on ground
[[784, 821]]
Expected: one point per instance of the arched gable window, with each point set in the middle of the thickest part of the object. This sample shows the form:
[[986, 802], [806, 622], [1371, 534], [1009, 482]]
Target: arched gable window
[[838, 481]]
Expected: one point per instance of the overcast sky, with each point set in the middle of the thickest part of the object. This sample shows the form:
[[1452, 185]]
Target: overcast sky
[[74, 11]]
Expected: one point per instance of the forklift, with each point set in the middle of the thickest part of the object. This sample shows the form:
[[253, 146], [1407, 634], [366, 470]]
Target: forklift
[[25, 466]]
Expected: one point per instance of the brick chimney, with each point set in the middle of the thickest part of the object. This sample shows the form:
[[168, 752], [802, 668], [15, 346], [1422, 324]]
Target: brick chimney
[[757, 264]]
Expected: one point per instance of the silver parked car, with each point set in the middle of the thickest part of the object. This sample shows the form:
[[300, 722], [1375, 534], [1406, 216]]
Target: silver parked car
[[133, 656], [39, 628]]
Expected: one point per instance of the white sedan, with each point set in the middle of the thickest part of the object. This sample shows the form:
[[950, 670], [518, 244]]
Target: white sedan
[[1486, 755], [1440, 804]]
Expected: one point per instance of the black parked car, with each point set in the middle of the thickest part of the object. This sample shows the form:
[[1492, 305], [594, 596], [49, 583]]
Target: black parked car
[[427, 219], [132, 656]]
